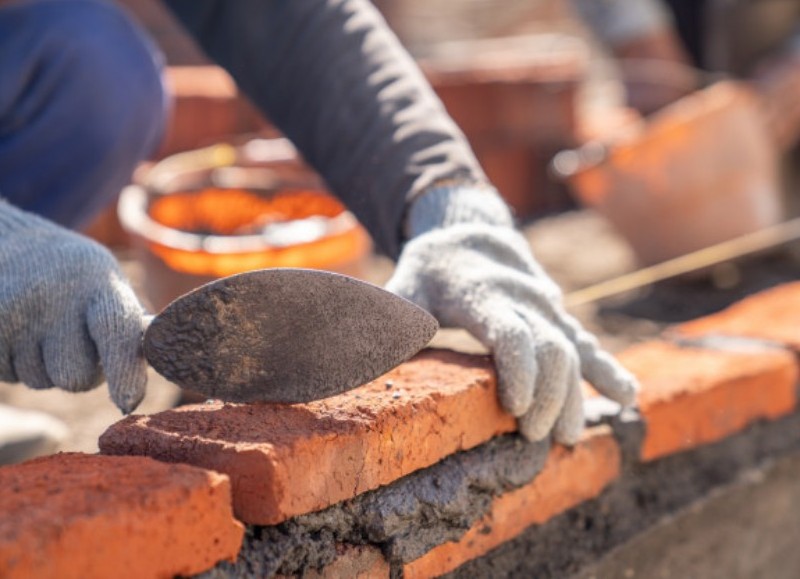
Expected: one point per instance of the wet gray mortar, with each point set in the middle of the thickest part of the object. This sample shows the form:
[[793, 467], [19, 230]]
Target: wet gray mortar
[[636, 501], [438, 504], [405, 519]]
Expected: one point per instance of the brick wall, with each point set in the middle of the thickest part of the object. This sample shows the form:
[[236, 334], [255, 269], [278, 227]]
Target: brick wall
[[419, 474]]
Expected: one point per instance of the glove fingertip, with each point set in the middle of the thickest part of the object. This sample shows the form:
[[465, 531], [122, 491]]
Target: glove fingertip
[[568, 438], [614, 382], [570, 424], [530, 431], [568, 432], [625, 391], [514, 402], [116, 322], [539, 421], [127, 389]]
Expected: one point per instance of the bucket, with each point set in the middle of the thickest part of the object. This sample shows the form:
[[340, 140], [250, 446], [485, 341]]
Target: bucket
[[217, 213], [700, 171]]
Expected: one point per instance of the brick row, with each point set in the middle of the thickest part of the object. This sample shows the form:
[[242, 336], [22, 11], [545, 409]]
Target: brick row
[[692, 396], [288, 460], [82, 516], [772, 315], [570, 477]]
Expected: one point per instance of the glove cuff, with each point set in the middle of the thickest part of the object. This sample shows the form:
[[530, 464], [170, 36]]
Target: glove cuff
[[441, 207]]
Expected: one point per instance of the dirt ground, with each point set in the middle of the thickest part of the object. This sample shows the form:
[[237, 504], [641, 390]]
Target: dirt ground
[[578, 248]]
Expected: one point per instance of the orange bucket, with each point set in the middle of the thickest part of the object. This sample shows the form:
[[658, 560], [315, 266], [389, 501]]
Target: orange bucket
[[197, 226], [701, 171]]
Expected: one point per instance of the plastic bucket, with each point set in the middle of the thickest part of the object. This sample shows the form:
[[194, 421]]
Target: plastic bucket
[[701, 171], [193, 225]]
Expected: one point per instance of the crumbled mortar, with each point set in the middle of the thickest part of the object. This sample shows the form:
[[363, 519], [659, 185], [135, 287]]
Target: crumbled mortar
[[626, 424], [643, 495], [438, 504], [405, 519]]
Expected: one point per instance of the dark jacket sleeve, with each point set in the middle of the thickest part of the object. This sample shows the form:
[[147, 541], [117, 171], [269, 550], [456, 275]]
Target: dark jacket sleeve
[[336, 81]]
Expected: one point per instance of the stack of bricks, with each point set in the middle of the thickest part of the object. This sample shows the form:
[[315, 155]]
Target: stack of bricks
[[516, 100], [417, 474]]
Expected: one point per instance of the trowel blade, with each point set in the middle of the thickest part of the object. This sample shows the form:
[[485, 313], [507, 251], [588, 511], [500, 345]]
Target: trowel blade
[[284, 335]]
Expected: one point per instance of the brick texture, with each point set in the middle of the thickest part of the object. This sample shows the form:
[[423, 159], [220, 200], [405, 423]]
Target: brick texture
[[289, 460], [772, 315], [693, 396], [353, 562], [569, 477], [81, 516]]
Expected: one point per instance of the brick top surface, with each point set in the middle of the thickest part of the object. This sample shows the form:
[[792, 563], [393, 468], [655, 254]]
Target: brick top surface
[[667, 371], [77, 515], [692, 396], [772, 315], [286, 460], [77, 485]]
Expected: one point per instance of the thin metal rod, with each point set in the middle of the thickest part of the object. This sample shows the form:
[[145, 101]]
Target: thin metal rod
[[762, 239]]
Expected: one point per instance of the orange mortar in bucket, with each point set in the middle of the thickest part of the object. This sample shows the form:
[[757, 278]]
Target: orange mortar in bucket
[[198, 231]]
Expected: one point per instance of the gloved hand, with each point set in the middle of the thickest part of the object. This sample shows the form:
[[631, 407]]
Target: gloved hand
[[68, 316], [468, 266]]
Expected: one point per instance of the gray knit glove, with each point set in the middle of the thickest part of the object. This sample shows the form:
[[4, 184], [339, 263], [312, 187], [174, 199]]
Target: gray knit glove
[[468, 266], [68, 315]]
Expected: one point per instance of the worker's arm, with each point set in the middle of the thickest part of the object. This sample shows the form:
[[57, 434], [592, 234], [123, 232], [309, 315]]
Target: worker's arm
[[333, 77], [336, 81]]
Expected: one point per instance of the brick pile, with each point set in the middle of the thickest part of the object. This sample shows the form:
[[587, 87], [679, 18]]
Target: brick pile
[[417, 474]]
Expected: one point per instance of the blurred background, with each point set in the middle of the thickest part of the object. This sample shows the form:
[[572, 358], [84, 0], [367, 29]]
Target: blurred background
[[618, 147]]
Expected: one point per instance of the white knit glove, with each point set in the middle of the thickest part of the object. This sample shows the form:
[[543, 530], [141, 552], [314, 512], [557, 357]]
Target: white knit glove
[[69, 317], [468, 266]]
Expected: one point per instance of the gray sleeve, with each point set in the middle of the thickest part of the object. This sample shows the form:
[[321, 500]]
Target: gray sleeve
[[618, 21], [337, 82]]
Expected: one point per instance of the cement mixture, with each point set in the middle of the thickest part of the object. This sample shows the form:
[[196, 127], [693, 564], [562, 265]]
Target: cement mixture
[[439, 503]]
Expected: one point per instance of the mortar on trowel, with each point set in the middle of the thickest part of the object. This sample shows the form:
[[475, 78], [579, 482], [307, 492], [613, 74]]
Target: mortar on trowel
[[214, 212], [697, 173]]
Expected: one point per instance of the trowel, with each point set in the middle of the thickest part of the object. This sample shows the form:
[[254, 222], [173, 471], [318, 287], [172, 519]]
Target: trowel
[[284, 335]]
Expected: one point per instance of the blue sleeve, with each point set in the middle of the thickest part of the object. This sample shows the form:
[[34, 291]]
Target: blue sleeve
[[336, 81]]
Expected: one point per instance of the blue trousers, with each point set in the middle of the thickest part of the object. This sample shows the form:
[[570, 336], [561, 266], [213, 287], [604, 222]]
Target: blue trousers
[[81, 103]]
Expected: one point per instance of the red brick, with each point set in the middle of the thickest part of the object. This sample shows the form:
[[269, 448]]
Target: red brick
[[694, 396], [207, 108], [353, 562], [289, 460], [772, 315], [82, 516], [569, 477], [524, 96]]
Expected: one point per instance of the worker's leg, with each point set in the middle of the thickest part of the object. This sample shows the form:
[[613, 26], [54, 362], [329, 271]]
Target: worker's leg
[[81, 103]]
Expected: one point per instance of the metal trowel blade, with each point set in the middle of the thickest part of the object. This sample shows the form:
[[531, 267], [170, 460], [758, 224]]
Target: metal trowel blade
[[284, 335]]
